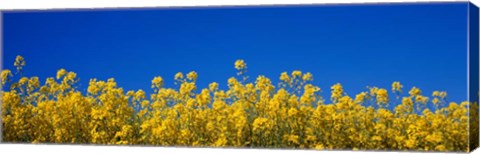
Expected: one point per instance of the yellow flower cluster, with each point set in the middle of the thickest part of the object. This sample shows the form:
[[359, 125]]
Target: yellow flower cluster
[[247, 114]]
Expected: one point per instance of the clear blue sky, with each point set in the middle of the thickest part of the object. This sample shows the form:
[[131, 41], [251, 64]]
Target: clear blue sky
[[421, 45]]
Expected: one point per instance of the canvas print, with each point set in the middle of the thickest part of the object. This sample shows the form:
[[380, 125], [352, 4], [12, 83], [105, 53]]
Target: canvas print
[[388, 77]]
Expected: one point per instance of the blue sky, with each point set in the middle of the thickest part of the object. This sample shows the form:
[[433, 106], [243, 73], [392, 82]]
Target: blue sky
[[423, 45]]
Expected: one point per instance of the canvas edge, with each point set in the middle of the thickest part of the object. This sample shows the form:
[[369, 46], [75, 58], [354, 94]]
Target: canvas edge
[[1, 68], [473, 71], [231, 5]]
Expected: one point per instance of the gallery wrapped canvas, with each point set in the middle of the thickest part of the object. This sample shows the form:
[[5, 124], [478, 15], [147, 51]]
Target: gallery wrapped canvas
[[388, 77]]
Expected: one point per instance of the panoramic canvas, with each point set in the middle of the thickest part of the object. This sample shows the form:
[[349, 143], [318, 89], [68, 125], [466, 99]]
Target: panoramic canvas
[[401, 77]]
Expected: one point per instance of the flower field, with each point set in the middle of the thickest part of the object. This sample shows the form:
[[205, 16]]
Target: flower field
[[258, 114]]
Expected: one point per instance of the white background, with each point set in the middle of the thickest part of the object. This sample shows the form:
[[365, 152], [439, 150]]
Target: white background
[[63, 4]]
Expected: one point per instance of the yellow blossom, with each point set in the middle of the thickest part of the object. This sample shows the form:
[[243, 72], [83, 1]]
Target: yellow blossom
[[397, 87], [240, 64]]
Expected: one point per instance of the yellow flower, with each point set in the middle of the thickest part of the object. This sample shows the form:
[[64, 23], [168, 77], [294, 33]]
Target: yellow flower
[[319, 147], [5, 75], [213, 86], [292, 112], [179, 76], [204, 97], [410, 143], [186, 88], [440, 148], [359, 98], [34, 82], [192, 76], [296, 74], [382, 96], [240, 64], [60, 73], [415, 91], [307, 77], [376, 138], [246, 114], [434, 138], [442, 94], [210, 126], [293, 139], [23, 80], [263, 83], [19, 62], [435, 101], [337, 91], [373, 90], [140, 94], [407, 101], [157, 82], [397, 87], [261, 124], [70, 76], [222, 141], [421, 99], [284, 77]]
